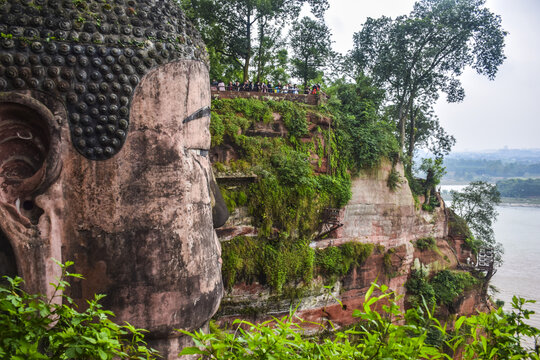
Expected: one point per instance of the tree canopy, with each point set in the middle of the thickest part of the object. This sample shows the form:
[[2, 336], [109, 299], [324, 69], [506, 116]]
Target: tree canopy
[[229, 27], [311, 44], [415, 57], [476, 204]]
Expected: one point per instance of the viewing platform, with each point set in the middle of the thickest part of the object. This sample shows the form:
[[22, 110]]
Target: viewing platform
[[309, 99]]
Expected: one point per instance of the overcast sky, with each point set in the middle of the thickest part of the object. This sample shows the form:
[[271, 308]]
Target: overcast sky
[[494, 114]]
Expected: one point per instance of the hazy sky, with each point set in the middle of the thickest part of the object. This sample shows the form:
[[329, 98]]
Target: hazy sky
[[494, 114]]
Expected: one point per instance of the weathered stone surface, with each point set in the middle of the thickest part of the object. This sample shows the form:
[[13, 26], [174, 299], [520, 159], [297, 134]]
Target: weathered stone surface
[[274, 129], [317, 305], [143, 232], [92, 55], [137, 225], [386, 217]]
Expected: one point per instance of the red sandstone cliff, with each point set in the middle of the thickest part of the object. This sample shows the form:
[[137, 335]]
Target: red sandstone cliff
[[392, 220]]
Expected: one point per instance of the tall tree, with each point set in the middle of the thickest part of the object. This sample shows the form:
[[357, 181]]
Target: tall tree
[[230, 26], [278, 67], [363, 138], [311, 46], [270, 51], [414, 57], [476, 203]]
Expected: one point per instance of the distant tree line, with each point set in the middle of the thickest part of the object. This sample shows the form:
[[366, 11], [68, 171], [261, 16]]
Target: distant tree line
[[476, 169], [519, 188]]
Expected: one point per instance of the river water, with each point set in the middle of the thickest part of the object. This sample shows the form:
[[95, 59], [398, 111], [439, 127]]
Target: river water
[[518, 229]]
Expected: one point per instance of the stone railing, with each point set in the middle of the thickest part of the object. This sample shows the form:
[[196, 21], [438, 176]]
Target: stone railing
[[310, 99]]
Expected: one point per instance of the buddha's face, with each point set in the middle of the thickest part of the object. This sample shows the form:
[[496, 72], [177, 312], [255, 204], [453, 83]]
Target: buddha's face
[[145, 217], [139, 225], [104, 136]]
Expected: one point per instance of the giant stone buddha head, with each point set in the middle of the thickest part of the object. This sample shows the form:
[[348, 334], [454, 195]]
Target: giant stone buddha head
[[104, 138]]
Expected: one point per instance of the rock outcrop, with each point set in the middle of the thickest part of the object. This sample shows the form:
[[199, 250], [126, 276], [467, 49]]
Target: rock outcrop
[[390, 219]]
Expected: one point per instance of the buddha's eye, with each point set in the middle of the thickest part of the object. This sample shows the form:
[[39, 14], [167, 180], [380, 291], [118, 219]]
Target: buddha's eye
[[202, 112]]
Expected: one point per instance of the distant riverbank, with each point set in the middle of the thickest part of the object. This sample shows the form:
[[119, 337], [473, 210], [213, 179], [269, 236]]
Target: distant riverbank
[[535, 201], [505, 201]]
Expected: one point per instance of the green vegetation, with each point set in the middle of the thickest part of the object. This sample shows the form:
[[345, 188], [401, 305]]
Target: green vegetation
[[337, 261], [394, 180], [36, 327], [386, 334], [287, 199], [364, 137], [424, 244], [273, 263], [388, 266], [417, 56], [279, 262], [244, 34], [419, 290], [382, 91], [476, 205], [399, 67], [519, 188], [311, 46], [443, 288], [449, 285]]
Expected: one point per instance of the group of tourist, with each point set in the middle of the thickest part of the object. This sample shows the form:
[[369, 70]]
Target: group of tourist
[[263, 87]]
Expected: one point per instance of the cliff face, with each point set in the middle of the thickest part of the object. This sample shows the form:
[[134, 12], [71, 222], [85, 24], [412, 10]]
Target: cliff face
[[385, 222], [374, 215], [391, 218]]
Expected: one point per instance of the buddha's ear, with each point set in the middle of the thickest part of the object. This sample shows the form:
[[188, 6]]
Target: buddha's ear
[[220, 213]]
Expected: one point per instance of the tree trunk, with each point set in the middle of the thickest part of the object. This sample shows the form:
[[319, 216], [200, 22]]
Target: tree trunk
[[405, 111], [429, 185], [260, 64], [412, 132], [247, 57], [401, 126], [412, 139], [305, 80], [246, 66]]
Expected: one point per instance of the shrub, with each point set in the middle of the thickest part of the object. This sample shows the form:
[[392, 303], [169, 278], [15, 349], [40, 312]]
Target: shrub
[[449, 285], [240, 258], [339, 188], [293, 168], [273, 263], [394, 180], [337, 260], [217, 129], [388, 334], [366, 143], [34, 327], [424, 244], [252, 108], [419, 289], [234, 198]]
